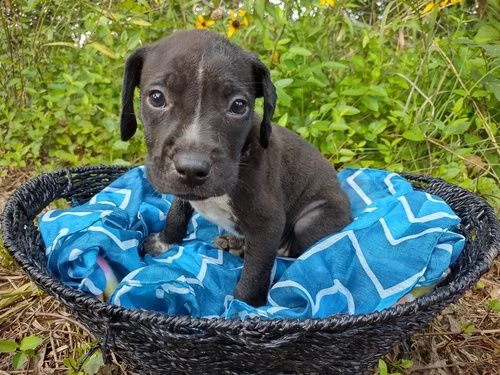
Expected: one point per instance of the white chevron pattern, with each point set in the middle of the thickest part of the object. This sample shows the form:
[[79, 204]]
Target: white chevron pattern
[[206, 261], [123, 245], [127, 194], [423, 219], [357, 189]]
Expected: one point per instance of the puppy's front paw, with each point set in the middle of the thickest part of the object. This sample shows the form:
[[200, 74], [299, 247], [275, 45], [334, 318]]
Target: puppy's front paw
[[154, 246]]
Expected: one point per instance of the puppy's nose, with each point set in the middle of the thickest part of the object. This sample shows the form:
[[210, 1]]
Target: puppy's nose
[[193, 168]]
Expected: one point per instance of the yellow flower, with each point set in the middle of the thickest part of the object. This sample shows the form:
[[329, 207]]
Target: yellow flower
[[450, 2], [202, 23], [428, 7], [238, 21], [442, 4], [328, 3]]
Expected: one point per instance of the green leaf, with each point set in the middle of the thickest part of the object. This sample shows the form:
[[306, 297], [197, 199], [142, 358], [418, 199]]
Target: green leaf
[[317, 82], [321, 125], [365, 41], [303, 131], [120, 145], [486, 34], [283, 120], [355, 92], [480, 93], [300, 51], [414, 133], [18, 360], [30, 342], [339, 126], [457, 107], [468, 329], [8, 346], [93, 364], [140, 22], [63, 139], [103, 49], [283, 97], [377, 127], [458, 126], [320, 75], [406, 364], [370, 102], [449, 172], [480, 285], [334, 65], [281, 83], [376, 90], [492, 50], [346, 155], [347, 110], [382, 367], [494, 305], [134, 41], [61, 44], [260, 6], [284, 41], [492, 84]]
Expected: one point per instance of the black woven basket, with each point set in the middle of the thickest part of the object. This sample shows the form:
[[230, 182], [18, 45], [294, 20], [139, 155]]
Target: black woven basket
[[159, 344]]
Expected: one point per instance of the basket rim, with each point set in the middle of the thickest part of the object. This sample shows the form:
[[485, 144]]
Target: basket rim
[[116, 313]]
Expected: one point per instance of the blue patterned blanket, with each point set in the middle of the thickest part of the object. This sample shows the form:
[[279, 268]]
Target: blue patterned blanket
[[400, 243]]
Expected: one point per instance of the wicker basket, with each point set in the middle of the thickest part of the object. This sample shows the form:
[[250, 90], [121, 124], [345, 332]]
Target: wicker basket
[[159, 344]]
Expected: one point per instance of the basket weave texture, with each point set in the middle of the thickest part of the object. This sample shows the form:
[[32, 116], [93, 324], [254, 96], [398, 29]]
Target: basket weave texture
[[154, 343]]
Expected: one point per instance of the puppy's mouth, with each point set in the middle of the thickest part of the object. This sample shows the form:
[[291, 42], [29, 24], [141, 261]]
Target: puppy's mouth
[[165, 180], [187, 193], [192, 197]]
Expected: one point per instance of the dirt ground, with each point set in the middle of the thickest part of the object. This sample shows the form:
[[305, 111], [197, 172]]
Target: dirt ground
[[463, 339]]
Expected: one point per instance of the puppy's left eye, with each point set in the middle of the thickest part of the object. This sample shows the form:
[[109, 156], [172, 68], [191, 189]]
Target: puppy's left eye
[[239, 107], [156, 98]]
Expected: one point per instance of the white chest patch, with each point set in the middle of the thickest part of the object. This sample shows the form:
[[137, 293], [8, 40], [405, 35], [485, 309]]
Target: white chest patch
[[218, 211]]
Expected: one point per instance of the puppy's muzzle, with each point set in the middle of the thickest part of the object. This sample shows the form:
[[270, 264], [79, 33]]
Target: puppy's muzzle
[[192, 168]]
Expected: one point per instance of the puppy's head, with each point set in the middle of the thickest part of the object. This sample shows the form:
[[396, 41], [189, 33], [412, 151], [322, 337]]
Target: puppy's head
[[197, 97]]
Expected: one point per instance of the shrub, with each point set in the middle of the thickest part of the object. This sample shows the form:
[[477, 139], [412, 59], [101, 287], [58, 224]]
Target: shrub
[[385, 86]]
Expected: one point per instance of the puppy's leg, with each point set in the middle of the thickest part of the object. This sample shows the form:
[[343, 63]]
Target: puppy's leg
[[174, 231], [261, 245], [315, 224]]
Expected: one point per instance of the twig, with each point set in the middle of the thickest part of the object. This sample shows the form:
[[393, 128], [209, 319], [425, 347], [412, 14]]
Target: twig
[[476, 332], [67, 318]]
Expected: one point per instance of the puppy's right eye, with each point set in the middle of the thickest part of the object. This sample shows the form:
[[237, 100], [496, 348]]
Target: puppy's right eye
[[239, 107], [157, 99]]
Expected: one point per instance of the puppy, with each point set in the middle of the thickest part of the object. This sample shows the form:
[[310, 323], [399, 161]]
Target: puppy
[[207, 147]]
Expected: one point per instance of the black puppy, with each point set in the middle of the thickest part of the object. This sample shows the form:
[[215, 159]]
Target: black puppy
[[258, 181]]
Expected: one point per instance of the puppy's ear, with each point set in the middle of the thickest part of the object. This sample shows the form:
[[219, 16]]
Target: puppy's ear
[[131, 80], [266, 89]]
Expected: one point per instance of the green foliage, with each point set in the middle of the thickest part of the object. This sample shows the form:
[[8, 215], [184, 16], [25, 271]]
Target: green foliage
[[383, 86], [401, 365], [494, 305], [467, 329], [22, 351], [85, 362]]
